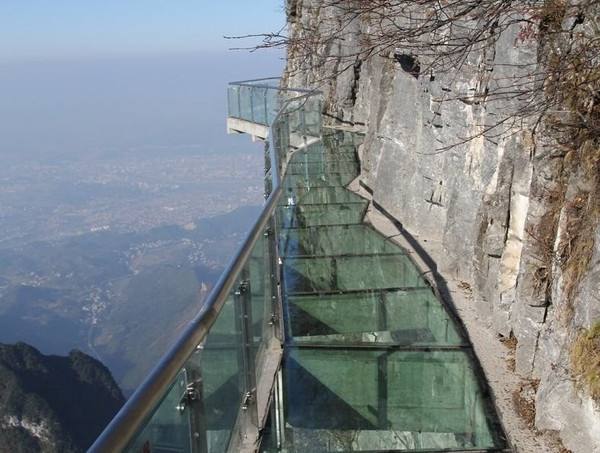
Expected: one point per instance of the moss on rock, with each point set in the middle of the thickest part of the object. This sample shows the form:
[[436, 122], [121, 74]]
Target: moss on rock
[[585, 359]]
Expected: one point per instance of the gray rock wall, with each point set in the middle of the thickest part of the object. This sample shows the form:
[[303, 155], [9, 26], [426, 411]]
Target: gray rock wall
[[478, 205]]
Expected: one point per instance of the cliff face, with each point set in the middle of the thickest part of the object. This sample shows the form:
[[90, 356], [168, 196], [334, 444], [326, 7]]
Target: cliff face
[[51, 403], [509, 215]]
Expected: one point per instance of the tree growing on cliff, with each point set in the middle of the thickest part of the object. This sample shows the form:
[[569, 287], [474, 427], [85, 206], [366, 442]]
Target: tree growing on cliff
[[559, 85]]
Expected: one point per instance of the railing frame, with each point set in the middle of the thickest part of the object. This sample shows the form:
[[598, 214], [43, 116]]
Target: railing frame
[[141, 405], [255, 83]]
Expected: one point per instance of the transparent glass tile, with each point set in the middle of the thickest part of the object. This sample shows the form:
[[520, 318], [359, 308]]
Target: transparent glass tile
[[405, 318], [333, 314], [334, 240], [259, 276], [322, 155], [421, 311], [376, 400], [245, 103], [169, 428], [218, 365], [322, 195], [324, 167], [273, 103], [233, 101], [350, 273], [260, 105], [329, 180], [312, 119], [301, 216]]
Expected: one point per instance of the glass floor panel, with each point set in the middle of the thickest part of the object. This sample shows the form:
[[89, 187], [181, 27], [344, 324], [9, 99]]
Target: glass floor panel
[[324, 167], [328, 195], [350, 273], [305, 215], [373, 361], [379, 400], [334, 240], [310, 156], [396, 317], [323, 195], [322, 180]]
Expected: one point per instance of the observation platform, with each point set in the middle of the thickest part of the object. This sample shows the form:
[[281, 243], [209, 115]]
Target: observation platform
[[322, 336]]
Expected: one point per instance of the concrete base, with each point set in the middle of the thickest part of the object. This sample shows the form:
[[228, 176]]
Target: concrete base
[[239, 126], [261, 132]]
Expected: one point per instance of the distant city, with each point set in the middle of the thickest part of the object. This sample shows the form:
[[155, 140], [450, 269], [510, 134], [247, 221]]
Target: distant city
[[122, 198], [126, 192], [113, 253]]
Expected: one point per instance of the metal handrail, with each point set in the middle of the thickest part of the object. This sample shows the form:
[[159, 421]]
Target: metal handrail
[[140, 406], [262, 79], [252, 83]]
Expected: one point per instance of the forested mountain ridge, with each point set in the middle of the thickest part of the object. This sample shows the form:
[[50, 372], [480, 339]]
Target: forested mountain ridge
[[52, 403]]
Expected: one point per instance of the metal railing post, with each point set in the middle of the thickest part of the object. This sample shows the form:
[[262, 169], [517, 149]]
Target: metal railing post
[[274, 273], [266, 106], [198, 425], [268, 182], [229, 98], [303, 123], [243, 308], [252, 104]]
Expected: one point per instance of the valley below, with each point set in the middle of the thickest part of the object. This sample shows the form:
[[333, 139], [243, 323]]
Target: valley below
[[115, 253]]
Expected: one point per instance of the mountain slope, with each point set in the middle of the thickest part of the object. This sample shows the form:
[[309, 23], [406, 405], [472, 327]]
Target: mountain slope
[[52, 403]]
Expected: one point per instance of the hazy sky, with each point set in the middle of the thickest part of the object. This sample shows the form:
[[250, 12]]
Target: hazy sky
[[86, 75], [75, 28]]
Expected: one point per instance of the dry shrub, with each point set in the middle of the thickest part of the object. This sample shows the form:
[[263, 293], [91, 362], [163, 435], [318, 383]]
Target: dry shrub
[[544, 235], [466, 288], [510, 343], [572, 88], [585, 360], [524, 401], [582, 217]]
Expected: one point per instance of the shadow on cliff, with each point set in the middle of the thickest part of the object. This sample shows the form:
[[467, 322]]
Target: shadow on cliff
[[442, 291]]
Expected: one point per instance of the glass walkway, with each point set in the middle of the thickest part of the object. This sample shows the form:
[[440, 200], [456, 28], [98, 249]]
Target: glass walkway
[[372, 359], [322, 335]]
